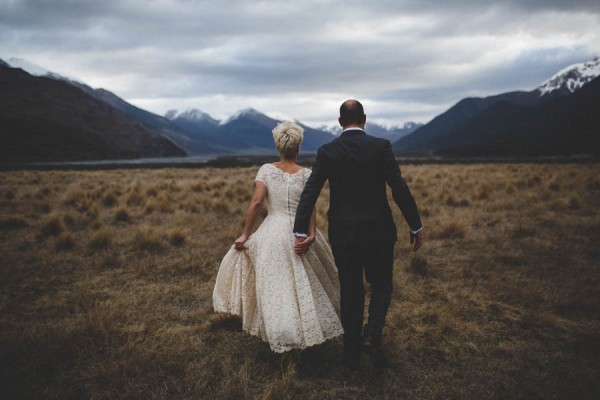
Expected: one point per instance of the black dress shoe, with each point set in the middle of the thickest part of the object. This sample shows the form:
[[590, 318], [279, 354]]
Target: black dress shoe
[[373, 348]]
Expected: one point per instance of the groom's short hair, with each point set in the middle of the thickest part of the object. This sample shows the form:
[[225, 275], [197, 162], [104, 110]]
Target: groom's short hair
[[352, 113]]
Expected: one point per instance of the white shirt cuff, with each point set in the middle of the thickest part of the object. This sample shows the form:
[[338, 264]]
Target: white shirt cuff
[[302, 235], [417, 231]]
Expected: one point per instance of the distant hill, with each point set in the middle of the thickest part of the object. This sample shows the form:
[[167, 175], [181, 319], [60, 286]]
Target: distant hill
[[47, 119], [192, 141], [392, 133], [476, 125], [248, 131], [566, 125], [438, 133]]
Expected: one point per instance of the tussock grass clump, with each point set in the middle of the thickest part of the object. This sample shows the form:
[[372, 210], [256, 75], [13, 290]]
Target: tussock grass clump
[[152, 192], [64, 242], [74, 197], [136, 198], [177, 236], [93, 211], [554, 186], [164, 203], [110, 200], [418, 266], [199, 187], [217, 204], [96, 223], [593, 185], [151, 206], [147, 238], [215, 185], [230, 193], [69, 219], [80, 200], [523, 231], [160, 203], [172, 187], [42, 193], [122, 215], [101, 239], [449, 230], [534, 181], [190, 205], [53, 226], [284, 386], [574, 203], [12, 223], [42, 206], [452, 202], [562, 204]]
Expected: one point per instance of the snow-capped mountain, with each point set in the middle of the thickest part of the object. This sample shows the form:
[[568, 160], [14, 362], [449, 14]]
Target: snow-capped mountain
[[244, 113], [391, 133], [332, 129], [560, 117], [571, 78], [191, 115]]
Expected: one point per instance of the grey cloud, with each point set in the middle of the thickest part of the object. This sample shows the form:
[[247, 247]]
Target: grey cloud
[[462, 5], [419, 55]]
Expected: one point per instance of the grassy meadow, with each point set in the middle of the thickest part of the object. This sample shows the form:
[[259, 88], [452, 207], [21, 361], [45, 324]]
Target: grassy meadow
[[106, 284]]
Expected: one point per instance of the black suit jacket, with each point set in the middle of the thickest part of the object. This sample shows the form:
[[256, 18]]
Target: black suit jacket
[[358, 166]]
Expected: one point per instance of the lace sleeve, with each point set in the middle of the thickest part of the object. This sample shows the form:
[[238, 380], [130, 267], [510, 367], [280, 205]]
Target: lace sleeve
[[261, 176]]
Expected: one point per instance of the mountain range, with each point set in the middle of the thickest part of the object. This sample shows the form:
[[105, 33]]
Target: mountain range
[[45, 116], [560, 117], [392, 133], [192, 131], [248, 131]]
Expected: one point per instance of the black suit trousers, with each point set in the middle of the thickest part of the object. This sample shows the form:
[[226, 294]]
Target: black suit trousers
[[376, 261]]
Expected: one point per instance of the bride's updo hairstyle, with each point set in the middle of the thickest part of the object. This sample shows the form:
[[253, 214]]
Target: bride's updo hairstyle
[[288, 136]]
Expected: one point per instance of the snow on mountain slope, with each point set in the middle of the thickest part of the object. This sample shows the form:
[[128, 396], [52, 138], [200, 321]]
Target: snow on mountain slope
[[572, 77], [192, 115], [244, 113], [36, 70]]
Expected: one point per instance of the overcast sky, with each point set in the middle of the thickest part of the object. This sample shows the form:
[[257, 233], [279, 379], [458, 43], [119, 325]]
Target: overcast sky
[[406, 60]]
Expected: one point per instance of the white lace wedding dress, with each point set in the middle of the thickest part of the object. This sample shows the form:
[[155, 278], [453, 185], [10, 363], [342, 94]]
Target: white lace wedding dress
[[291, 302]]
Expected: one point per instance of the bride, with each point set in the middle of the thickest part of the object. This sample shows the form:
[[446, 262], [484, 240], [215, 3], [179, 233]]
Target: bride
[[289, 301]]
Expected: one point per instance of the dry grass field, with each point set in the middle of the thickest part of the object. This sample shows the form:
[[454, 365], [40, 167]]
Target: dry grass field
[[106, 284]]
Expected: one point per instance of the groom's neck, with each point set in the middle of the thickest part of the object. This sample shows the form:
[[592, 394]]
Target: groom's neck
[[360, 126]]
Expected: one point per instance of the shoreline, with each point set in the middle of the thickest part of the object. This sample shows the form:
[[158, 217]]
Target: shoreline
[[251, 160]]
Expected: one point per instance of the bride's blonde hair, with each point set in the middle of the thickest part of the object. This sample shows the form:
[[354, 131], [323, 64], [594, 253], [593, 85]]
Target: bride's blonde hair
[[288, 137]]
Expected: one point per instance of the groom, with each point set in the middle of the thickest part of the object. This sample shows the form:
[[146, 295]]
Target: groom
[[361, 227]]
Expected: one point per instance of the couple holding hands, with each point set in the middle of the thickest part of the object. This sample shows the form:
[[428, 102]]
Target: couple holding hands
[[291, 287]]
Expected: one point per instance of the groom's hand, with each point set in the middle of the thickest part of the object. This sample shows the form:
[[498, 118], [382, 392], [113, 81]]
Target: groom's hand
[[416, 239]]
